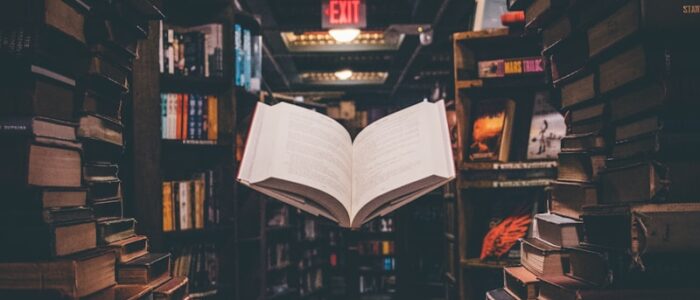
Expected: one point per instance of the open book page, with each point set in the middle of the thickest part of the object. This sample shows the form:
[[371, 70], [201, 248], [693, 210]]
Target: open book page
[[404, 148], [296, 146]]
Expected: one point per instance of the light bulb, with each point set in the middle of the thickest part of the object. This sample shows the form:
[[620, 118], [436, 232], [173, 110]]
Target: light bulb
[[344, 35], [343, 74]]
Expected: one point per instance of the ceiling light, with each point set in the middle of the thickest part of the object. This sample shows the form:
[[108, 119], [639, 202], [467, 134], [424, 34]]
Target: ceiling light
[[343, 74], [344, 35]]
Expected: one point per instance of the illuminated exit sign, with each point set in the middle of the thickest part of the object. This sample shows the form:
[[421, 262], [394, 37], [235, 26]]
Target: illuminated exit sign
[[343, 14]]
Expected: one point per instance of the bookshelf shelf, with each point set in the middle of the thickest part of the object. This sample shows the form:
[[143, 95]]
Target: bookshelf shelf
[[157, 161], [193, 143], [477, 263], [282, 294], [193, 83], [521, 165], [501, 83], [504, 184], [485, 191]]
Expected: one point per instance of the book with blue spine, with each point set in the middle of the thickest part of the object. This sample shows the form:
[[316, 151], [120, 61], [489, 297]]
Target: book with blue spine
[[238, 53], [247, 58]]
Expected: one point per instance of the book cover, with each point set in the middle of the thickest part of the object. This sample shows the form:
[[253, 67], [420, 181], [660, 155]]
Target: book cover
[[491, 126], [192, 117], [168, 224], [212, 118], [547, 128]]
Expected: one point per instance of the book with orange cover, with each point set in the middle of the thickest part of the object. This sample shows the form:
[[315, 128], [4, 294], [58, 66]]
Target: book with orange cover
[[212, 118], [168, 224], [185, 116]]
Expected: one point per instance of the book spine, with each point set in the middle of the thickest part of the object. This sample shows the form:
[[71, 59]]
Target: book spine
[[161, 55], [184, 205], [167, 206], [238, 54], [205, 117], [192, 119], [170, 52], [213, 118], [246, 59], [185, 116], [179, 108], [164, 110]]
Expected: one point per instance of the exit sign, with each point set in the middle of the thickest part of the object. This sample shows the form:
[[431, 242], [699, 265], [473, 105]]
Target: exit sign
[[343, 14]]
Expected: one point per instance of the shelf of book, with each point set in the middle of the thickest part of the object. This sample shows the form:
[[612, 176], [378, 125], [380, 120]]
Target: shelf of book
[[500, 81], [208, 85]]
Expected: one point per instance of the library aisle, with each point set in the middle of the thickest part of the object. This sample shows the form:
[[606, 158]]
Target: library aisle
[[349, 149]]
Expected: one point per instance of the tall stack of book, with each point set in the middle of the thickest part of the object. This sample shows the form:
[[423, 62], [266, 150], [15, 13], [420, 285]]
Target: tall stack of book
[[628, 79], [67, 69]]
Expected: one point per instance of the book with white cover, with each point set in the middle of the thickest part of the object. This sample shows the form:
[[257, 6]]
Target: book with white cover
[[309, 160]]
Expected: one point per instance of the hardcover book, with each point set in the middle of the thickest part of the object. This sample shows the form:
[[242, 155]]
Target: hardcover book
[[671, 181], [130, 248], [40, 161], [569, 198], [558, 231], [664, 228], [173, 289], [76, 276], [41, 92], [110, 231], [47, 240], [390, 163], [152, 269], [490, 126], [542, 259], [520, 283]]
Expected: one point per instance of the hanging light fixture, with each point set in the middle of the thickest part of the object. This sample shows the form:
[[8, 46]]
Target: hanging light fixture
[[344, 35], [344, 74]]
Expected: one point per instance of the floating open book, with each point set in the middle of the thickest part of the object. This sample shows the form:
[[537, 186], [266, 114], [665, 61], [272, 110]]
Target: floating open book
[[309, 161]]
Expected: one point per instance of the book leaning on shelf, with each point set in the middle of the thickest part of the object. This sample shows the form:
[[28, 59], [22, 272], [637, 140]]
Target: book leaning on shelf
[[309, 161]]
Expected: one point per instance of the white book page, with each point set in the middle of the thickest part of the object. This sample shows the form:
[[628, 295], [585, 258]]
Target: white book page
[[400, 149], [304, 147]]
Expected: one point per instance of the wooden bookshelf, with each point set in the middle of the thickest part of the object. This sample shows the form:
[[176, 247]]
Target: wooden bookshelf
[[487, 191], [154, 159]]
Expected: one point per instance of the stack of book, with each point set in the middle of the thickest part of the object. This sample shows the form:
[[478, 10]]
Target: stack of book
[[194, 51], [67, 69], [248, 58], [626, 171], [189, 117]]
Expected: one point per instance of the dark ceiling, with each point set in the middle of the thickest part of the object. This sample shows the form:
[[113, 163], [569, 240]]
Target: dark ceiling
[[413, 69]]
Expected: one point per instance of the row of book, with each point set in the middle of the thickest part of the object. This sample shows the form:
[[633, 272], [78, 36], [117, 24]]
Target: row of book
[[311, 282], [626, 167], [189, 117], [66, 236], [191, 204], [248, 58], [199, 264], [193, 51], [375, 248]]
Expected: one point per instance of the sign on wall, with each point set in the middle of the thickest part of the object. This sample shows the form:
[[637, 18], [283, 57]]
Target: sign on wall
[[343, 14]]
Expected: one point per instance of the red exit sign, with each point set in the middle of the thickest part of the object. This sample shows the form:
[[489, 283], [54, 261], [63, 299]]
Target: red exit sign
[[343, 14]]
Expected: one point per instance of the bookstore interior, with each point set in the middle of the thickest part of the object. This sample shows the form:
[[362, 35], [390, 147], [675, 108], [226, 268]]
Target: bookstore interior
[[350, 149]]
